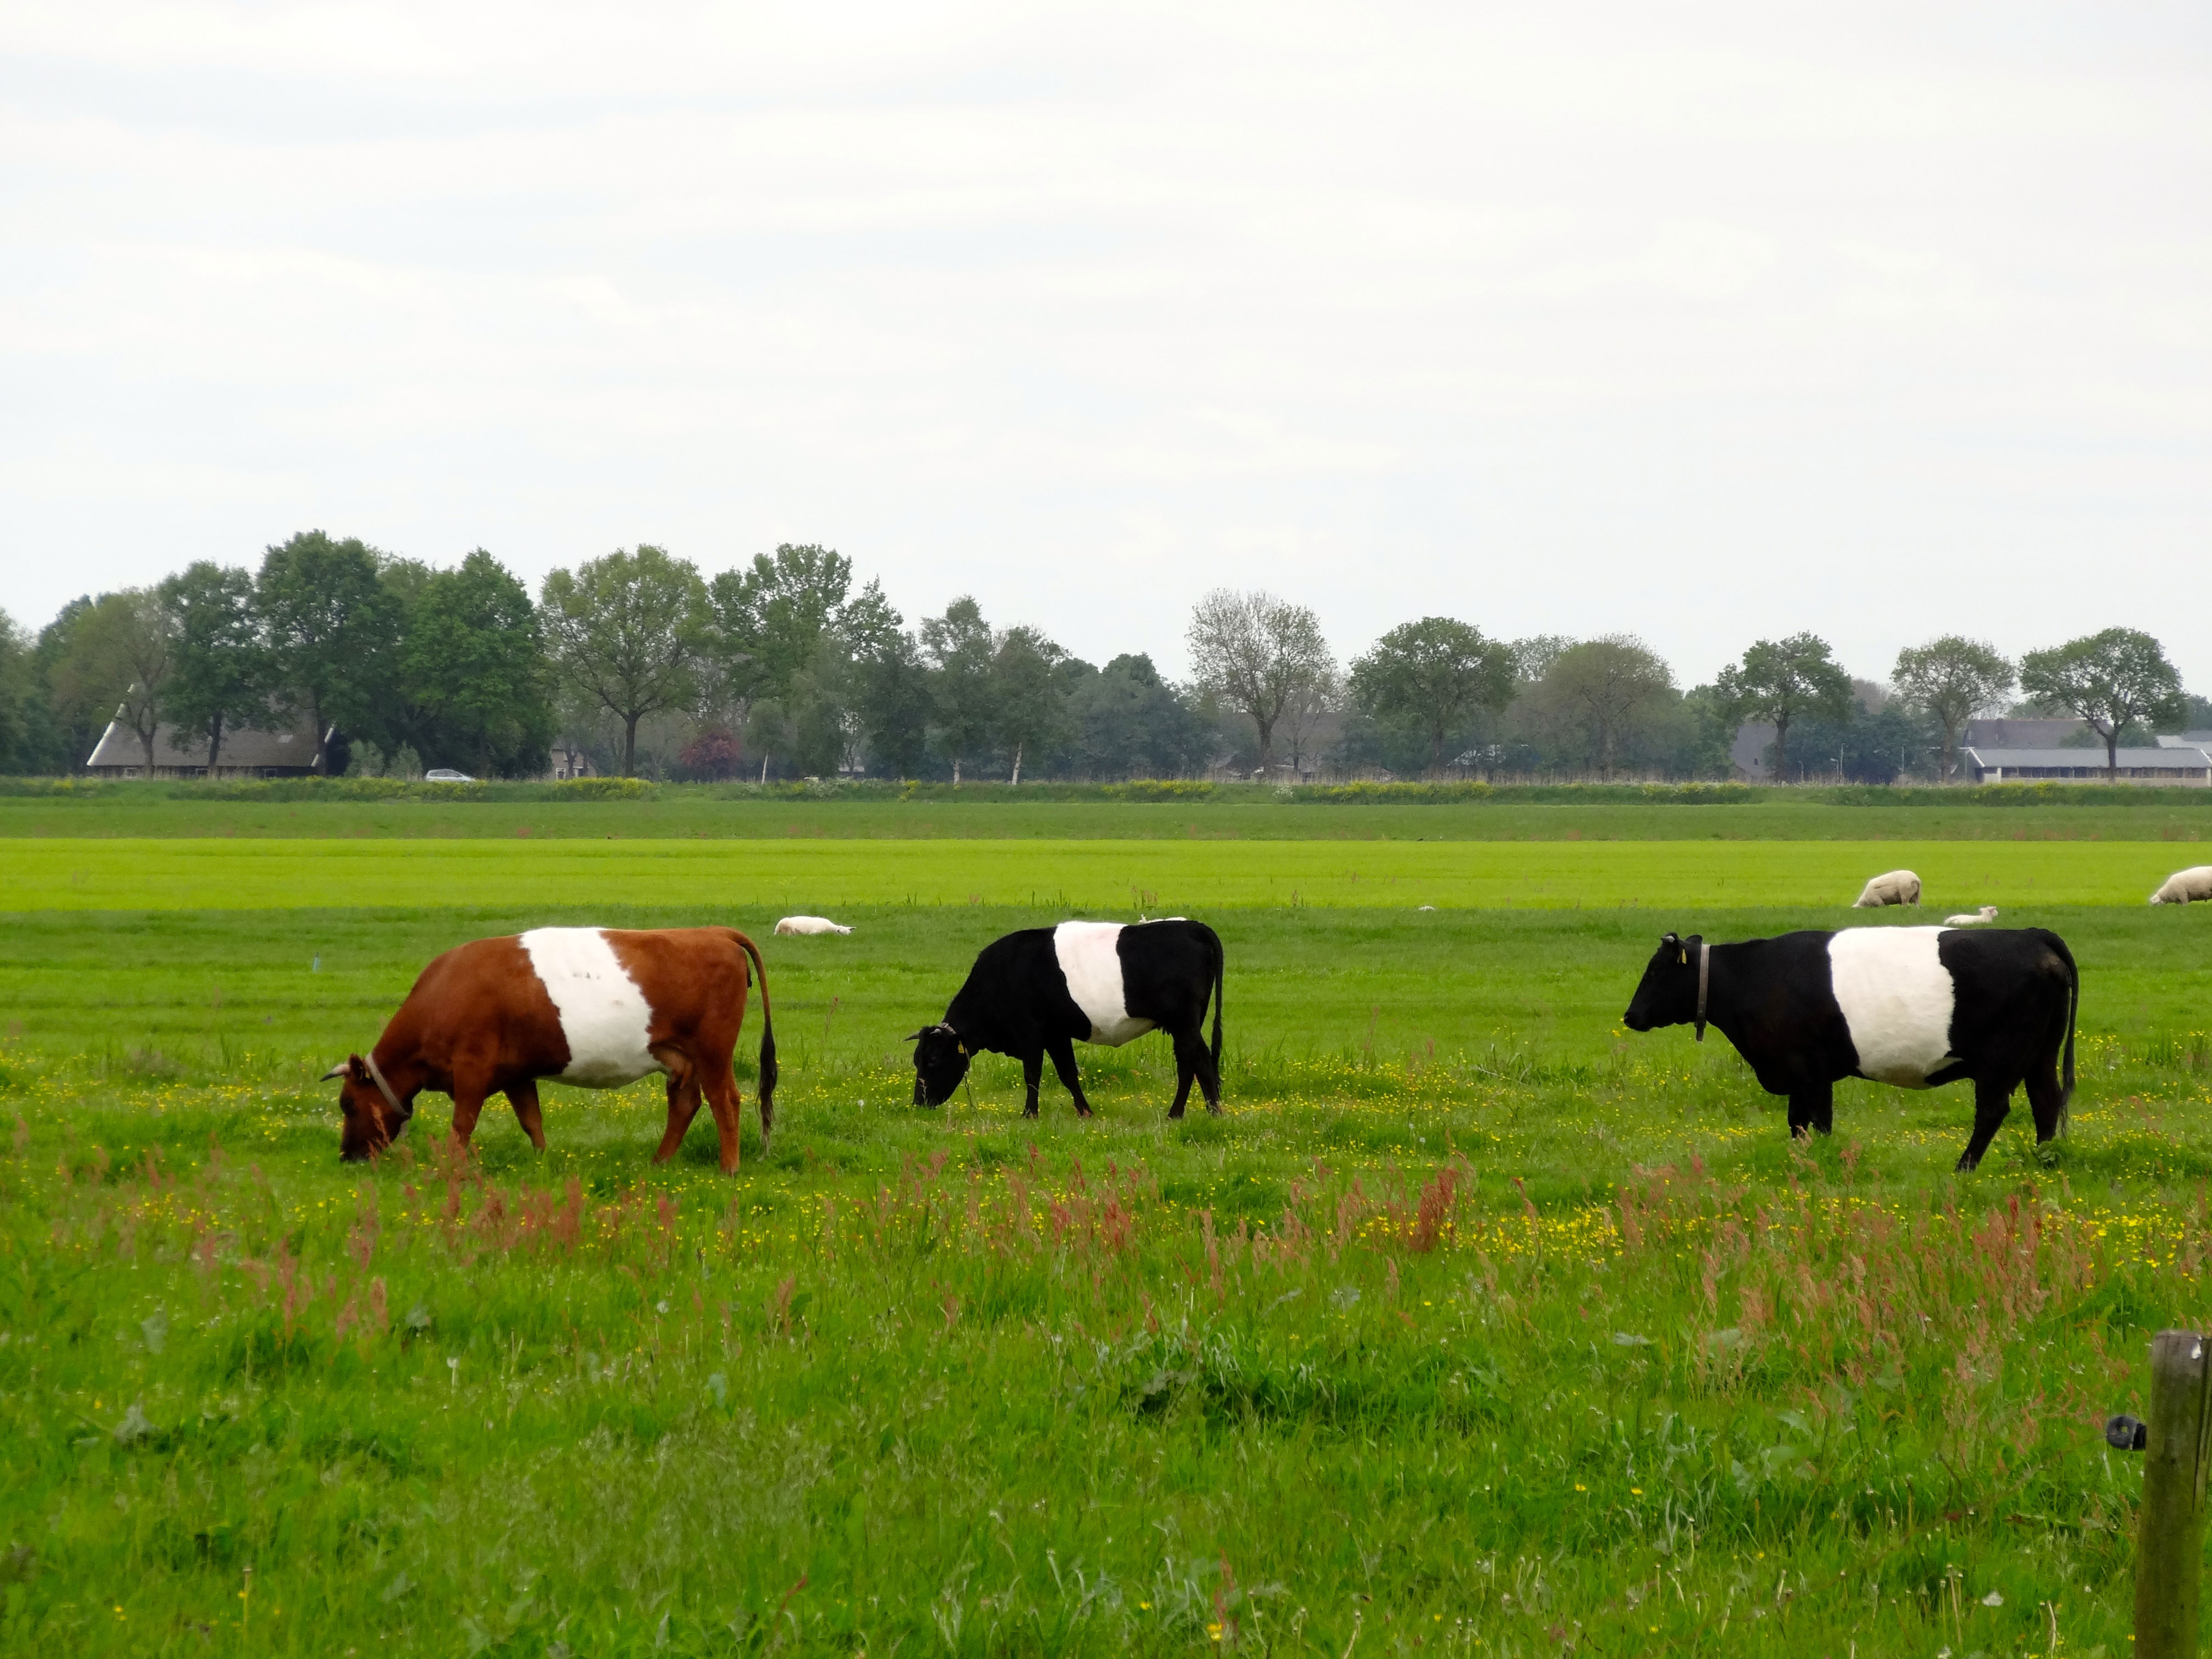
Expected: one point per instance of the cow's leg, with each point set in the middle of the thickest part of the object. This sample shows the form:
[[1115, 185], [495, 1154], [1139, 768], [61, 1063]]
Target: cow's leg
[[469, 1092], [1812, 1106], [2046, 1098], [1194, 1062], [1063, 1061], [1032, 1075], [523, 1096], [727, 1100], [683, 1107], [1992, 1101]]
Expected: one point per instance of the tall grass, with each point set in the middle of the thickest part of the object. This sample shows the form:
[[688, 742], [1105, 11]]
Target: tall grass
[[1013, 1392]]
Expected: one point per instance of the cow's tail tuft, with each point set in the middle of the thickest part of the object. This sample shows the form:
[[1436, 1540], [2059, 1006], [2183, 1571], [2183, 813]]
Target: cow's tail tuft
[[2073, 1006], [768, 1024], [1217, 965]]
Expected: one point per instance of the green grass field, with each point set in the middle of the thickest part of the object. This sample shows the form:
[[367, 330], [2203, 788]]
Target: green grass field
[[751, 883], [681, 814], [1476, 1325]]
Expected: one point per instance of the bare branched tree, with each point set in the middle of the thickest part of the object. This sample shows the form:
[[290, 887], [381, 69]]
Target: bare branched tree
[[1258, 652]]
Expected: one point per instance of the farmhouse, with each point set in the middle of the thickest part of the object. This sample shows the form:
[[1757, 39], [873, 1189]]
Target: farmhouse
[[2013, 734], [2175, 766], [247, 752], [569, 761]]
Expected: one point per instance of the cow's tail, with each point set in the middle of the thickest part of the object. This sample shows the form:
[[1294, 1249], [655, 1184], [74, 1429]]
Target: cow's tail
[[2073, 1006], [768, 1024], [1215, 938]]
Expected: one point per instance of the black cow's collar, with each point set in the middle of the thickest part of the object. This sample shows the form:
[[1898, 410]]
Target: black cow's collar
[[1704, 973]]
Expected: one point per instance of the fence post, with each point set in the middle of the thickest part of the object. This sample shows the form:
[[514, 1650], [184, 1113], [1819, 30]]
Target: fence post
[[2170, 1546]]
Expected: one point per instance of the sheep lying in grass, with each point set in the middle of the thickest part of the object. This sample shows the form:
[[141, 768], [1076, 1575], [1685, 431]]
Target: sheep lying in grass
[[1973, 918], [809, 924], [1891, 887], [2185, 886]]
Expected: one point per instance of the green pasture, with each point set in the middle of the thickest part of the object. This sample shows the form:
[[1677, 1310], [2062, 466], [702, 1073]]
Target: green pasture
[[1476, 1325], [676, 812], [749, 883]]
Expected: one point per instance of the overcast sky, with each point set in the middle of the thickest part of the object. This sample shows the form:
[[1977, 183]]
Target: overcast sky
[[1706, 322]]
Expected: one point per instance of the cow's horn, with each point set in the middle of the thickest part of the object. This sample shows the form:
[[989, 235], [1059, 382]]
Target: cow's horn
[[916, 1037], [338, 1070]]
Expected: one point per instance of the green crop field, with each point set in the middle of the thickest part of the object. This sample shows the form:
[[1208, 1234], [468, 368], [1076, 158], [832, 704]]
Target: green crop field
[[734, 881], [1475, 1325], [687, 813]]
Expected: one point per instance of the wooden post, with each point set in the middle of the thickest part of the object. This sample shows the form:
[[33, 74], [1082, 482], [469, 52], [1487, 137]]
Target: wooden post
[[2170, 1546]]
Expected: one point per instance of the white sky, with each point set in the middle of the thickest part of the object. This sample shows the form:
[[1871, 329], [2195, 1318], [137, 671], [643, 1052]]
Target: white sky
[[1705, 322]]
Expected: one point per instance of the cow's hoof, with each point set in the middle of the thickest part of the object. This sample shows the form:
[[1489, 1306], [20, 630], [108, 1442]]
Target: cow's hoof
[[1175, 1114], [1967, 1164]]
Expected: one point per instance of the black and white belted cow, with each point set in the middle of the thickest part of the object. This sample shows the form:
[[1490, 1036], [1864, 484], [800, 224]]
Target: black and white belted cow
[[1043, 990], [1915, 1006]]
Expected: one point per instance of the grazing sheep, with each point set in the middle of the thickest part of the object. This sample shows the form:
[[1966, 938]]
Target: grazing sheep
[[809, 924], [1973, 918], [2184, 886], [1894, 887]]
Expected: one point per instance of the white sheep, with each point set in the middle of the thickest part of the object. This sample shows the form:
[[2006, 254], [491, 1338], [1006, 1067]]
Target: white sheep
[[1973, 918], [1893, 887], [2184, 886], [809, 924]]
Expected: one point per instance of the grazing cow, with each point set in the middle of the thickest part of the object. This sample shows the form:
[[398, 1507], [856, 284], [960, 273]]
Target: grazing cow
[[1915, 1006], [598, 1007], [2185, 886], [1891, 887], [1044, 989], [1980, 918], [795, 924]]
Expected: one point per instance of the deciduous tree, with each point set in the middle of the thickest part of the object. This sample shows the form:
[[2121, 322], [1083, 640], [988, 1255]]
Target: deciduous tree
[[474, 663], [964, 691], [2110, 680], [121, 655], [332, 630], [1434, 673], [1029, 701], [223, 670], [1783, 681], [891, 701], [1605, 690], [628, 632], [1257, 653], [1949, 680]]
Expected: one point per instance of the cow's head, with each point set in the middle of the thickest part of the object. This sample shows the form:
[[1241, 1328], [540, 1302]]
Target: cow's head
[[1668, 993], [369, 1124], [940, 1060]]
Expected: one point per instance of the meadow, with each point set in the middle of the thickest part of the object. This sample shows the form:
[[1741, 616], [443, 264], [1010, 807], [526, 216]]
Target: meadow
[[751, 883], [676, 812], [1475, 1325]]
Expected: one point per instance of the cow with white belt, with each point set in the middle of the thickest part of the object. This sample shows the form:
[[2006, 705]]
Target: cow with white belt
[[1041, 991]]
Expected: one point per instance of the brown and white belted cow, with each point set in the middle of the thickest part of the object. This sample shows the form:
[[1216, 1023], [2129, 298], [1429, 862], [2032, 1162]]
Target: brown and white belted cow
[[598, 1007]]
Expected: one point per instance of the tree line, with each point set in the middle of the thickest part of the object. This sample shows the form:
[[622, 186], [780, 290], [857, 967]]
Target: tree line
[[786, 666]]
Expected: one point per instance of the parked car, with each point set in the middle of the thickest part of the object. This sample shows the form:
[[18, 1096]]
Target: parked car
[[446, 774]]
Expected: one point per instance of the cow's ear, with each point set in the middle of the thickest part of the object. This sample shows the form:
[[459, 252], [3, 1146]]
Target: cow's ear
[[357, 1069], [338, 1070]]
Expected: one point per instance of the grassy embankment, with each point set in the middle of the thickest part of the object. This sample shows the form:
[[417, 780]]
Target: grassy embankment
[[983, 1385]]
